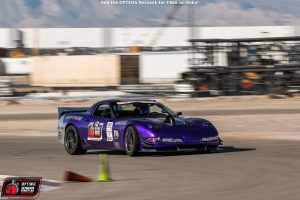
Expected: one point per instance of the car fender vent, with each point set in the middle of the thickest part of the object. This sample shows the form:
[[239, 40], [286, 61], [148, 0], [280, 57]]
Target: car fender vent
[[188, 123], [207, 124]]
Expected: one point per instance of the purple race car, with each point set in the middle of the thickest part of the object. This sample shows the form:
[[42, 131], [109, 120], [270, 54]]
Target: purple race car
[[132, 126]]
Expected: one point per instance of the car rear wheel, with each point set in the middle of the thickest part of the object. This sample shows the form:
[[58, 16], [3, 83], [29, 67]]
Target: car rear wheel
[[132, 141], [72, 142]]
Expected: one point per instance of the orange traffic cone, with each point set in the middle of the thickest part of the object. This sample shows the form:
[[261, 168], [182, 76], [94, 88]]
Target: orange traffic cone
[[73, 177]]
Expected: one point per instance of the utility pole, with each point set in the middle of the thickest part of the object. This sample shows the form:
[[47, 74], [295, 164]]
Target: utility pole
[[192, 31], [191, 20]]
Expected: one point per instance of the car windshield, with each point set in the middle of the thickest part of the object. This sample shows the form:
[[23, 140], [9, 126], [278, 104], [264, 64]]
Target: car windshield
[[141, 109]]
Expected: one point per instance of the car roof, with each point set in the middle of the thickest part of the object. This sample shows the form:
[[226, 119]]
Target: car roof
[[127, 100], [121, 100]]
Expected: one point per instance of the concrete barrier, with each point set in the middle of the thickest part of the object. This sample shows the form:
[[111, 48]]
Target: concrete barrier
[[75, 71]]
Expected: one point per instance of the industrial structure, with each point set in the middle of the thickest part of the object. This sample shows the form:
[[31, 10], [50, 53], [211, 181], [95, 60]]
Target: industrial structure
[[61, 38], [244, 66], [216, 61]]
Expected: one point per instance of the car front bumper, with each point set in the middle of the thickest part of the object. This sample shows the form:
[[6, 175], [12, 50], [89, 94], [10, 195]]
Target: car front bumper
[[179, 145]]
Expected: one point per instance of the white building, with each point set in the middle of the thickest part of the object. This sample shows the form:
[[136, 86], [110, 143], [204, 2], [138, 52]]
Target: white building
[[124, 37]]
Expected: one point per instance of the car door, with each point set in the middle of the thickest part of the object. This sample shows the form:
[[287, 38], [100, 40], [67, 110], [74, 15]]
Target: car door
[[99, 131]]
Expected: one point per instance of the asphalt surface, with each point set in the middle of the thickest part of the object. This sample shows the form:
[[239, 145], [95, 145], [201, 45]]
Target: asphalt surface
[[47, 116], [242, 169], [260, 158]]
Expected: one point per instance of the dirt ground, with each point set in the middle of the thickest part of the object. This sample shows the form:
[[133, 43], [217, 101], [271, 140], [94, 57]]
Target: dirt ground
[[177, 104], [251, 116]]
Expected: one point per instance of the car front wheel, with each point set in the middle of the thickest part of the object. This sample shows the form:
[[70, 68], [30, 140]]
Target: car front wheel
[[132, 141]]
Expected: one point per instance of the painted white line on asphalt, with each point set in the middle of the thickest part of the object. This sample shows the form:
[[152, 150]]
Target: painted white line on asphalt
[[263, 135], [29, 134], [50, 112], [49, 185]]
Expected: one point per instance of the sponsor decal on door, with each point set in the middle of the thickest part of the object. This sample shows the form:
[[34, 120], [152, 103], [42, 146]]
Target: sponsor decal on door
[[95, 131], [109, 131]]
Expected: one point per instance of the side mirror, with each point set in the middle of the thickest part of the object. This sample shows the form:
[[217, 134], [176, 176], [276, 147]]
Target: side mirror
[[179, 113]]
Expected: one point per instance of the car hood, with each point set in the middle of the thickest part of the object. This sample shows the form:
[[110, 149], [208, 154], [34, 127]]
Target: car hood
[[179, 121], [187, 129]]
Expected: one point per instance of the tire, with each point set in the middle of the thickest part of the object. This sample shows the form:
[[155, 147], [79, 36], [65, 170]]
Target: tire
[[131, 141], [72, 142]]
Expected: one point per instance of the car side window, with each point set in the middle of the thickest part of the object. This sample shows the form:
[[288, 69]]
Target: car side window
[[155, 109], [103, 111]]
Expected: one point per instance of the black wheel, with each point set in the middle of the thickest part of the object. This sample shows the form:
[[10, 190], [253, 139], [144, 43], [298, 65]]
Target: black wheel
[[72, 142], [132, 141]]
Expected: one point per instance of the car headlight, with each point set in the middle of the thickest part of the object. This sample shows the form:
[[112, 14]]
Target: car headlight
[[153, 139], [208, 139]]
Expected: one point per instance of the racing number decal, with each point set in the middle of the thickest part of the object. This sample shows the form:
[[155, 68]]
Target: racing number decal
[[109, 131], [95, 131], [91, 129]]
